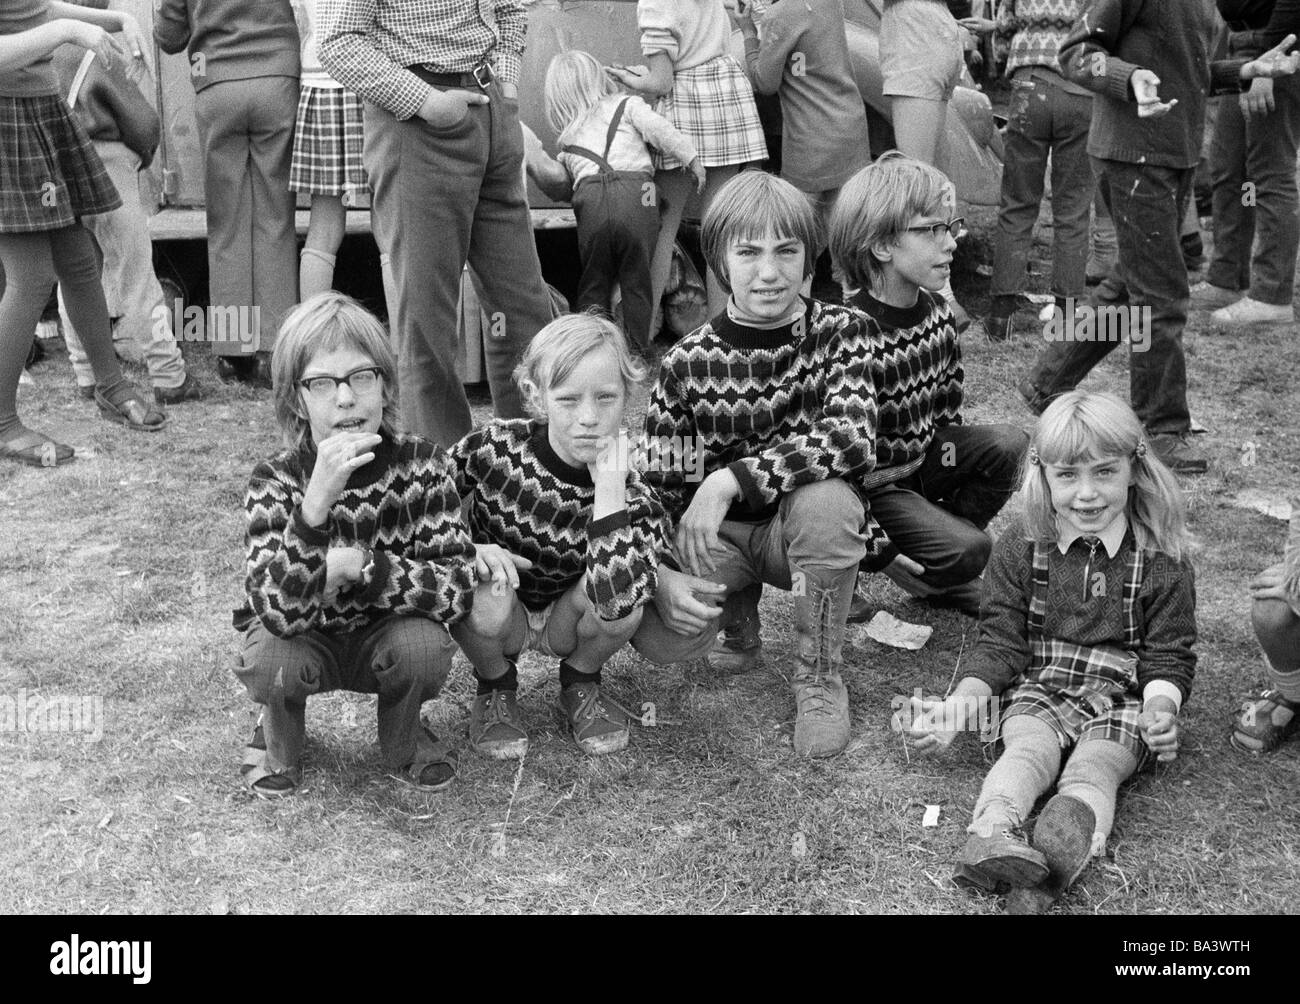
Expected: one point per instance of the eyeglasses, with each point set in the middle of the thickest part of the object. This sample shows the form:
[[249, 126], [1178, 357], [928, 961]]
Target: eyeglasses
[[936, 230], [361, 382]]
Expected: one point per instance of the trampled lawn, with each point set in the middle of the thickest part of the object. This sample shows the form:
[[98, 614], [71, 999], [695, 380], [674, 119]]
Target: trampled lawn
[[121, 571]]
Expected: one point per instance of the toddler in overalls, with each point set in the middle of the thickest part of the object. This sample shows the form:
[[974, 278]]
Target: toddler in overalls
[[613, 192], [1087, 627]]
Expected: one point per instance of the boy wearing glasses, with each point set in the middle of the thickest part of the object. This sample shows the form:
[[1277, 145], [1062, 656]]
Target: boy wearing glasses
[[357, 556], [936, 482]]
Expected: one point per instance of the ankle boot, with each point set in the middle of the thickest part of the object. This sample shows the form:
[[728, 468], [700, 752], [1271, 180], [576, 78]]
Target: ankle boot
[[821, 606], [738, 648]]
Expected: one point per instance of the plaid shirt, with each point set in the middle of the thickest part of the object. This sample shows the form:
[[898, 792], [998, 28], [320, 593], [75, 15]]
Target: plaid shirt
[[366, 44]]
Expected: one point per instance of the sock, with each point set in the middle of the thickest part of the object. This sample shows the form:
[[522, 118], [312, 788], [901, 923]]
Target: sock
[[509, 680], [315, 272], [569, 676]]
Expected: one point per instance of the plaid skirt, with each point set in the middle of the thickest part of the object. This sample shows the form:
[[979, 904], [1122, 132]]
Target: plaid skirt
[[713, 104], [50, 174], [327, 142]]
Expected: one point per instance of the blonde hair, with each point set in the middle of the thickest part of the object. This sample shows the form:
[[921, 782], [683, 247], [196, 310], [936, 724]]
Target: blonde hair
[[575, 84], [754, 205], [557, 349], [325, 323], [876, 206], [1081, 426]]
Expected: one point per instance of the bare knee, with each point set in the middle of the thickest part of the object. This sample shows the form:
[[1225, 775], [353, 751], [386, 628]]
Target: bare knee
[[489, 616], [1273, 620]]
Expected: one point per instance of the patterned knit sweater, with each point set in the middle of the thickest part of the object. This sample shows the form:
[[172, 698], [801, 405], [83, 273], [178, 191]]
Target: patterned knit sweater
[[781, 407], [1081, 613], [917, 371], [524, 498], [1035, 30], [403, 505]]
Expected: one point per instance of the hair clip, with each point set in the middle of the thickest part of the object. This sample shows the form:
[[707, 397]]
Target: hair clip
[[1140, 450], [1033, 455]]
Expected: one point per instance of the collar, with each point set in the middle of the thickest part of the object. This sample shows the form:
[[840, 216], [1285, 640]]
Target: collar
[[899, 318], [1111, 539], [740, 335]]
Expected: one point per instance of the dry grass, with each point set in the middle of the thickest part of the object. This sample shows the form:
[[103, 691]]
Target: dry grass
[[122, 569]]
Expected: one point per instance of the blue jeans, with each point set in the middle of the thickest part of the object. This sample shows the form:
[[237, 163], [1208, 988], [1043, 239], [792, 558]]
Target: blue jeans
[[1147, 203], [1044, 117], [1252, 166]]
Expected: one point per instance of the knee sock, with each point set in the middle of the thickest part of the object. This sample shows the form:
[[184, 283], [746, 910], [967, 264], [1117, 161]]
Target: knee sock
[[509, 680], [1093, 775], [315, 272], [569, 676], [1023, 772]]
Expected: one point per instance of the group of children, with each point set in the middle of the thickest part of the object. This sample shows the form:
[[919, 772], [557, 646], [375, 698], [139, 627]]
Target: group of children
[[362, 569]]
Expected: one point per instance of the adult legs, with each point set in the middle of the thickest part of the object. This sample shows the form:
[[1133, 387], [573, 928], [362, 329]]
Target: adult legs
[[273, 103]]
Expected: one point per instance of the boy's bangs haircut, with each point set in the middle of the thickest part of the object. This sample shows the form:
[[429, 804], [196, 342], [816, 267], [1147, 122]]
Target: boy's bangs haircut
[[1082, 427], [558, 348], [575, 82], [754, 205], [325, 323], [877, 205]]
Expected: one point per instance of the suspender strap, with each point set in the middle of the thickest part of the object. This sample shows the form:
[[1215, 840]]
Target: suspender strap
[[597, 159], [614, 121]]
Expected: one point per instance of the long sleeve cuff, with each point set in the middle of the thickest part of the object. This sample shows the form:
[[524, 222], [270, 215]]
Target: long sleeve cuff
[[1163, 688]]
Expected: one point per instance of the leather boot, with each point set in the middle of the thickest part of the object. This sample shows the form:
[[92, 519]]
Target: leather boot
[[739, 646], [821, 606]]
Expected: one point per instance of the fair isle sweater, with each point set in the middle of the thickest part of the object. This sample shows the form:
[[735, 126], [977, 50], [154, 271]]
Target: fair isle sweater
[[1034, 30], [403, 505], [779, 407], [524, 498], [1081, 613]]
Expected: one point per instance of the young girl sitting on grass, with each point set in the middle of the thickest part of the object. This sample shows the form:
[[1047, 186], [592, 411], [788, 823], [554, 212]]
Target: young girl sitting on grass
[[568, 538], [1087, 629], [613, 191], [357, 554], [1270, 719]]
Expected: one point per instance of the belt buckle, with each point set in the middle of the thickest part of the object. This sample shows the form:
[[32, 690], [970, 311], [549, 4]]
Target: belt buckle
[[482, 75]]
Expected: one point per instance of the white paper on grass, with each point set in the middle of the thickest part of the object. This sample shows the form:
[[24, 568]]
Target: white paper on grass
[[1272, 504], [931, 817], [889, 630]]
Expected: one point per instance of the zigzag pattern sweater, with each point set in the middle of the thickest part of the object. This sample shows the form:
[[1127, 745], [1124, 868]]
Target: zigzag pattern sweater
[[403, 505], [1035, 30], [780, 407], [917, 371], [524, 498]]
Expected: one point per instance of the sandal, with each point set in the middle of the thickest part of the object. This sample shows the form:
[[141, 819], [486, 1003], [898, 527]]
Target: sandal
[[132, 411], [36, 450], [260, 778], [434, 768], [1255, 730]]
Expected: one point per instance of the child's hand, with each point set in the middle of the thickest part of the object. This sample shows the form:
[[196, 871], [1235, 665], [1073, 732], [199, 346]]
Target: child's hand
[[903, 563], [1274, 63], [493, 563], [633, 77], [610, 468], [91, 36], [1160, 732], [1258, 101], [444, 109], [343, 567], [1146, 86], [696, 540], [977, 25], [532, 145], [935, 724], [697, 169], [132, 36], [1271, 584], [336, 458]]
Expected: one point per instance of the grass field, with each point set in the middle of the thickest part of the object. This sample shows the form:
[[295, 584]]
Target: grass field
[[122, 568]]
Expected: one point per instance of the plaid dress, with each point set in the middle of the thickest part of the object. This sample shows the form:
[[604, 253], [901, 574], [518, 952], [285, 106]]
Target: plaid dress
[[50, 175], [327, 142], [714, 105], [1082, 692]]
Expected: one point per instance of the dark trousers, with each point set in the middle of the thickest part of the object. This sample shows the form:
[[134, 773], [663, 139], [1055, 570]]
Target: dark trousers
[[246, 128], [1044, 118], [405, 660], [937, 515], [444, 196], [1147, 204], [1252, 166], [618, 226]]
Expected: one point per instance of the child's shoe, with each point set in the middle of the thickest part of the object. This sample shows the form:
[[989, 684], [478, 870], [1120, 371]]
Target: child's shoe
[[599, 725], [495, 728], [739, 644], [1265, 723], [1247, 311], [259, 778], [1063, 834], [1003, 856]]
